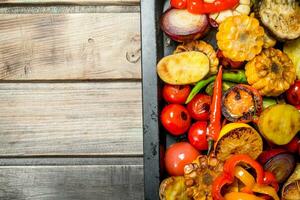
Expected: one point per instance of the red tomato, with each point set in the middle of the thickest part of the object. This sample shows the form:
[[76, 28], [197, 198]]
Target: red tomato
[[298, 107], [176, 93], [177, 156], [176, 119], [197, 135], [293, 94], [180, 4], [199, 107], [293, 145]]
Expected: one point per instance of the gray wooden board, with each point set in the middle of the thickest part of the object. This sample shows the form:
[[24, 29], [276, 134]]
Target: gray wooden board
[[89, 182], [77, 46], [87, 118]]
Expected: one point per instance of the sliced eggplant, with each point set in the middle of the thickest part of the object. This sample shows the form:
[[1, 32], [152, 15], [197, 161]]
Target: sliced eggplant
[[280, 17], [182, 26]]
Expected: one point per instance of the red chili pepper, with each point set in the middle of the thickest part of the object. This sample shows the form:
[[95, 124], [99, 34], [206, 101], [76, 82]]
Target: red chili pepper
[[214, 128], [234, 160], [270, 179], [200, 7], [218, 184]]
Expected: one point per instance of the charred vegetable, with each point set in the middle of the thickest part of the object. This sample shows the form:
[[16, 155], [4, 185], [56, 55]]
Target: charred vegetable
[[279, 123], [181, 25], [291, 190], [203, 47], [281, 165], [238, 138], [173, 188], [199, 176], [240, 37], [280, 17], [183, 68], [271, 72], [241, 103], [292, 49]]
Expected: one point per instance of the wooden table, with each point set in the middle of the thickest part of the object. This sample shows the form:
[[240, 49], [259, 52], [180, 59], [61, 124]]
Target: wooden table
[[70, 100]]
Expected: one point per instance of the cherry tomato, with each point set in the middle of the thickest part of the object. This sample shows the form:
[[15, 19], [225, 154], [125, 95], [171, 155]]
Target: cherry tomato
[[176, 93], [177, 156], [197, 135], [176, 119], [293, 145], [180, 4], [199, 107], [293, 94], [298, 107]]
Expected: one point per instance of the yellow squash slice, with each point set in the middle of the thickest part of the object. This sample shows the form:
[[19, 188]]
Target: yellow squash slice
[[279, 123], [238, 138], [292, 49], [183, 68]]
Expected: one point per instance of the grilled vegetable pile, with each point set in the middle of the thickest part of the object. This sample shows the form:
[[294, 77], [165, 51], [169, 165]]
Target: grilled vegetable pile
[[231, 100]]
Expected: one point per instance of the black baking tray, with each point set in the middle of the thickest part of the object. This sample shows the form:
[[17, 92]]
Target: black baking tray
[[155, 45]]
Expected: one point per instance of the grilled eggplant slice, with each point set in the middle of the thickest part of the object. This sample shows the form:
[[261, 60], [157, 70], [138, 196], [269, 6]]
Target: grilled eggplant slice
[[280, 17]]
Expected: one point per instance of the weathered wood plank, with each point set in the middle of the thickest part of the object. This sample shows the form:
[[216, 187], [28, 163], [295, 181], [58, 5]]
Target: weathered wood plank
[[74, 2], [70, 161], [69, 46], [72, 182], [99, 118]]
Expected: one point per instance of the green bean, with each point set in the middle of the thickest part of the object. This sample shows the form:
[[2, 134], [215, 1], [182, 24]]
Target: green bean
[[232, 76]]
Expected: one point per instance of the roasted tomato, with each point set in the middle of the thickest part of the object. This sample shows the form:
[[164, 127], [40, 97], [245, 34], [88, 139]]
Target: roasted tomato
[[197, 135], [199, 107], [293, 145], [293, 94], [241, 103], [177, 156], [176, 93], [176, 119]]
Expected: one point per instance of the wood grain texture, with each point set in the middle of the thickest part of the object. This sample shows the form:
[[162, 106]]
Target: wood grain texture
[[47, 119], [76, 2], [72, 182], [69, 46]]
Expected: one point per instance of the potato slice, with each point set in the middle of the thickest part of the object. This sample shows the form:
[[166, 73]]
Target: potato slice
[[279, 123], [238, 138], [183, 68]]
